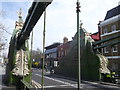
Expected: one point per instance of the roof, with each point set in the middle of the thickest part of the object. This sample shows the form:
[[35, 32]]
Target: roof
[[113, 12], [96, 36], [82, 30], [66, 45], [52, 46], [53, 50]]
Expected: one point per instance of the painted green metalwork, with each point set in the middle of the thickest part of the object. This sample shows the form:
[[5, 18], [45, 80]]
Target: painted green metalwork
[[18, 69], [107, 39], [110, 43], [91, 61], [32, 18], [27, 84], [78, 42], [43, 62], [16, 59]]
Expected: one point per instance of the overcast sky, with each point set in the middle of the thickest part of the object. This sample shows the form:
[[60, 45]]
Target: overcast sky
[[61, 18]]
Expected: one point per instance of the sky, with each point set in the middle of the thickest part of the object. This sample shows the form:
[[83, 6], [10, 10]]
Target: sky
[[61, 18]]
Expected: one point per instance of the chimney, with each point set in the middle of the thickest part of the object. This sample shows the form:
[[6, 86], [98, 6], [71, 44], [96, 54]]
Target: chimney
[[65, 40], [99, 29]]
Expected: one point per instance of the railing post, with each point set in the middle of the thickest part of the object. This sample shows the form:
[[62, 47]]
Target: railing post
[[78, 40], [43, 50]]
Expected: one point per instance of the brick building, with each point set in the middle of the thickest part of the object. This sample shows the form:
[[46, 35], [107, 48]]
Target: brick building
[[56, 52], [109, 28], [63, 48]]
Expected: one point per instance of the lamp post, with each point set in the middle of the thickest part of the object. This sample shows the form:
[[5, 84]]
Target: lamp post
[[78, 40]]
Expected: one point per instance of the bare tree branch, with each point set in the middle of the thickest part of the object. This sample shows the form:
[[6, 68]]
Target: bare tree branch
[[2, 44], [2, 27]]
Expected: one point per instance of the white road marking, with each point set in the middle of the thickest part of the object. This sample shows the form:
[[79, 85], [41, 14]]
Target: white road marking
[[36, 84], [66, 83], [56, 86]]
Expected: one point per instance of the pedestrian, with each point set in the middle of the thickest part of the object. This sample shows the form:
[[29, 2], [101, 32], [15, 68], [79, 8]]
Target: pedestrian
[[51, 70], [45, 66]]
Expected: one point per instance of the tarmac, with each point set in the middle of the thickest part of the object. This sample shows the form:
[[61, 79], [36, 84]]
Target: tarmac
[[97, 84]]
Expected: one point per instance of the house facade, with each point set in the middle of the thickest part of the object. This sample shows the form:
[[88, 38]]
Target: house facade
[[111, 27], [51, 54]]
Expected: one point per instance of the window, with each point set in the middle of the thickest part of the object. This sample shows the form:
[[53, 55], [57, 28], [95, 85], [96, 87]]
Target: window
[[115, 48], [47, 56], [62, 53], [54, 55], [105, 49], [105, 30], [56, 63], [113, 28]]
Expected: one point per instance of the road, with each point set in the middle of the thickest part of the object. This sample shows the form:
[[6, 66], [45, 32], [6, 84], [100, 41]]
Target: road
[[59, 82], [53, 82]]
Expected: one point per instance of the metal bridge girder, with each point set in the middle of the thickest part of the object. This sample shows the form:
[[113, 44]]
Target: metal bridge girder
[[108, 44], [97, 45], [107, 39], [34, 13]]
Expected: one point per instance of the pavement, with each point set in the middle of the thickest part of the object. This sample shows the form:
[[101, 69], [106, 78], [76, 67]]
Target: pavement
[[2, 72]]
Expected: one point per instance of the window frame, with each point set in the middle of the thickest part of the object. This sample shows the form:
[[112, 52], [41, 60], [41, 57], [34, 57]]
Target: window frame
[[106, 50], [113, 49], [105, 30], [113, 28]]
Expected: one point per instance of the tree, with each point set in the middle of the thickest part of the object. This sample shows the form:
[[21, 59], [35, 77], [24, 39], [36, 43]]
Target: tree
[[37, 54], [2, 29], [2, 44]]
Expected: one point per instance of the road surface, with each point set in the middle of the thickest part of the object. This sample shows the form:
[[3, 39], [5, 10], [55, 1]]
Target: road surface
[[59, 82], [55, 82]]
